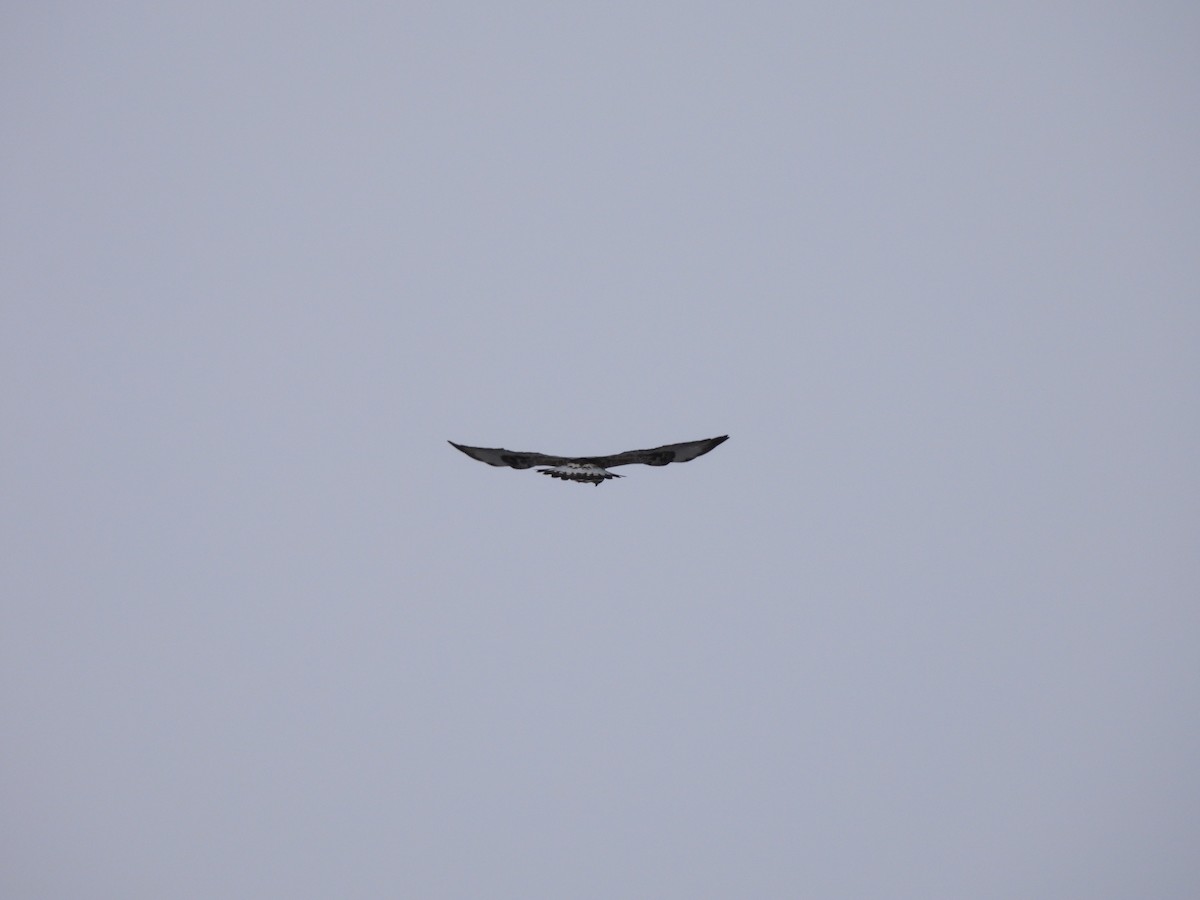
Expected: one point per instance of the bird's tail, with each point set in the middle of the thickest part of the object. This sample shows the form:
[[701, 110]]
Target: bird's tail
[[582, 473]]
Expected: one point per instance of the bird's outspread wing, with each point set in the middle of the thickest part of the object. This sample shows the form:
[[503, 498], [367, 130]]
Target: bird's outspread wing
[[515, 459], [660, 456]]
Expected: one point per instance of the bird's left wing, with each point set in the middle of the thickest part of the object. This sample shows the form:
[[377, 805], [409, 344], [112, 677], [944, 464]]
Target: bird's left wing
[[661, 456], [513, 458]]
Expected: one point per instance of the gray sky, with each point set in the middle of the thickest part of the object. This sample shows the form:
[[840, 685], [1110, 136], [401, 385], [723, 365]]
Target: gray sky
[[925, 627]]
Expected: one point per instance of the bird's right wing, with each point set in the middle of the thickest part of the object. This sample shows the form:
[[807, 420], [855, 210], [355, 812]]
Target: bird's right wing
[[514, 459]]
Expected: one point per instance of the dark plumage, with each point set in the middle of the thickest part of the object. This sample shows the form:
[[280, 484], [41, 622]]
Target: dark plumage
[[591, 469]]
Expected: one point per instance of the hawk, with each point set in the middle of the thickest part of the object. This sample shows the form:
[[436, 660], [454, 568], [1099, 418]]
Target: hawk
[[591, 469]]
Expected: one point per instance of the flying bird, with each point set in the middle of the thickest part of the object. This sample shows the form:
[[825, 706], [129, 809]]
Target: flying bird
[[591, 469]]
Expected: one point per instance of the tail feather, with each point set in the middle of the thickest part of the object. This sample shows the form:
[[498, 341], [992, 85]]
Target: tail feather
[[579, 472]]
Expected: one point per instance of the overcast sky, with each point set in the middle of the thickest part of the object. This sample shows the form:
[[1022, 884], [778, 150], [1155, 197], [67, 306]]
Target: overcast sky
[[926, 626]]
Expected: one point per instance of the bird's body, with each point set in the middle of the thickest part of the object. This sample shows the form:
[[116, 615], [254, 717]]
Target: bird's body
[[590, 469]]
